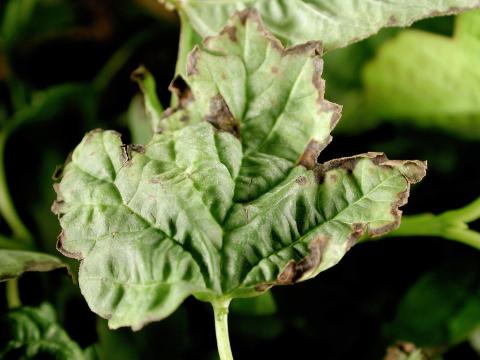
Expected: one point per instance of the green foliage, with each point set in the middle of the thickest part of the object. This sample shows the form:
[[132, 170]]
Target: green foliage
[[153, 107], [442, 308], [230, 204], [337, 23], [33, 333], [227, 196], [16, 262], [428, 80], [22, 18]]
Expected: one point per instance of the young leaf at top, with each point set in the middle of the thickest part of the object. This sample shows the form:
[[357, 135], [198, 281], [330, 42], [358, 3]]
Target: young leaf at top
[[429, 80], [228, 199], [33, 333], [337, 23]]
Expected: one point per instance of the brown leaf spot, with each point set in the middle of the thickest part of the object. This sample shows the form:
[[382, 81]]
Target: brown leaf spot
[[357, 231], [182, 90], [61, 248], [221, 117], [309, 157], [128, 150], [294, 271], [274, 70], [301, 180], [231, 31]]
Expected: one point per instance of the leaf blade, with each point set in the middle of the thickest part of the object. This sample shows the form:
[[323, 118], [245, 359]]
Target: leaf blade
[[337, 23], [16, 262]]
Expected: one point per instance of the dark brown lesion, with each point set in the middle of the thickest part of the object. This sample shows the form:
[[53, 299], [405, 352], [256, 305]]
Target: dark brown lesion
[[221, 117], [128, 150], [295, 271], [309, 158], [182, 90]]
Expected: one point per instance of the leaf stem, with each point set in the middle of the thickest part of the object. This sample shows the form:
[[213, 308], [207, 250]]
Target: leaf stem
[[13, 297], [220, 311], [450, 225], [7, 210]]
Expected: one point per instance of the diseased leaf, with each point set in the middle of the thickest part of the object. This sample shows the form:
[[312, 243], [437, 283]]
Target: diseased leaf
[[228, 200], [404, 351], [33, 333], [337, 23], [428, 80], [246, 83], [14, 263]]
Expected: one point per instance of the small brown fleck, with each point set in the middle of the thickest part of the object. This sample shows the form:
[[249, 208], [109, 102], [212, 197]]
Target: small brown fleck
[[275, 70], [301, 180]]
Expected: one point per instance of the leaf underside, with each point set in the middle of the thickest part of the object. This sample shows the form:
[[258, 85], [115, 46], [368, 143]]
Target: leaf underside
[[227, 200], [337, 23], [16, 262], [445, 94]]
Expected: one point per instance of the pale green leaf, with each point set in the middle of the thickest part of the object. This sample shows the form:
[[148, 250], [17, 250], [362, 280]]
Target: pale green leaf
[[138, 121], [14, 263], [229, 201], [428, 80], [146, 82], [337, 23], [245, 82], [33, 333]]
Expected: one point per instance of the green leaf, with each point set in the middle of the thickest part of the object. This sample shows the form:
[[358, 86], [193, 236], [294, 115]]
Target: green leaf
[[428, 80], [441, 309], [337, 23], [23, 19], [139, 123], [232, 203], [245, 82], [14, 263], [146, 82], [46, 104], [34, 333], [15, 18]]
